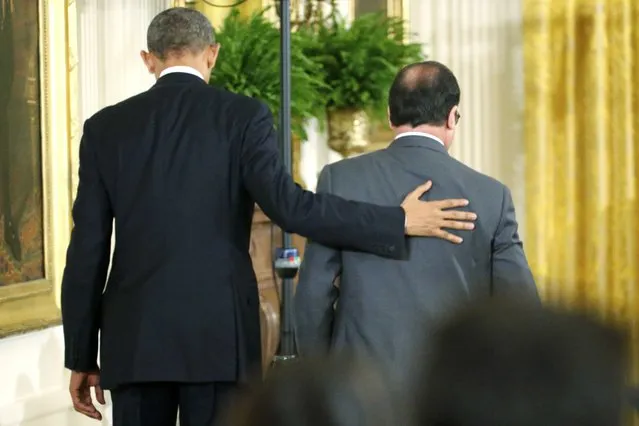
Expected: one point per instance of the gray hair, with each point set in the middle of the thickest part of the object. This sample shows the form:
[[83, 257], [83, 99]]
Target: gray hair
[[178, 30]]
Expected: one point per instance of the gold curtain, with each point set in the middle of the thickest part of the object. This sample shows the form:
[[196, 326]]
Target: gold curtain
[[581, 65]]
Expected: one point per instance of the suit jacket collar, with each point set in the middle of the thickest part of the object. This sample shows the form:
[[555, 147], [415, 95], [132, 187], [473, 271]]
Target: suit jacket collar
[[416, 141], [179, 78]]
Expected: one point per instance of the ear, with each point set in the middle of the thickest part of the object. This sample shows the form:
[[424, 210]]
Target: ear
[[212, 56], [390, 124], [148, 61], [451, 122]]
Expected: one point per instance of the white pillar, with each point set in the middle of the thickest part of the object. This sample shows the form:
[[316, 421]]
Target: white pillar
[[481, 42], [110, 37]]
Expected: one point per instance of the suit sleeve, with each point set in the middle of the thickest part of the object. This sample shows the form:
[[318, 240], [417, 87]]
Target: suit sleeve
[[87, 262], [324, 218], [511, 275], [316, 291]]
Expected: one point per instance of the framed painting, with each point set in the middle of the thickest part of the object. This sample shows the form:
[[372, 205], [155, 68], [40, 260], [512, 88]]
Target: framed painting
[[35, 173]]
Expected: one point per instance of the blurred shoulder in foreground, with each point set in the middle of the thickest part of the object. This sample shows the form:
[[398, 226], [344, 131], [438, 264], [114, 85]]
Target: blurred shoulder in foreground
[[506, 363], [338, 391]]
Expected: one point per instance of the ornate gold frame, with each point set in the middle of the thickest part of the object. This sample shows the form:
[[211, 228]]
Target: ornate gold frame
[[35, 305]]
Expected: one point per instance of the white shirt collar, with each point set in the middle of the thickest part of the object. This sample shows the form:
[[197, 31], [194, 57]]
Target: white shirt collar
[[181, 68], [421, 134]]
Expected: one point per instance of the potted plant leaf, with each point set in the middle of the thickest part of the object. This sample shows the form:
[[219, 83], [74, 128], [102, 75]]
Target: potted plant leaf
[[359, 62], [249, 64]]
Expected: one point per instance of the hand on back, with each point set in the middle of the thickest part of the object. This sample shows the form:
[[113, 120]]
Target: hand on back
[[430, 218]]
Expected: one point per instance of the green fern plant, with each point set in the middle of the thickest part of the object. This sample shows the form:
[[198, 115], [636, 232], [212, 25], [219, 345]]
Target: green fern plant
[[359, 61], [249, 64]]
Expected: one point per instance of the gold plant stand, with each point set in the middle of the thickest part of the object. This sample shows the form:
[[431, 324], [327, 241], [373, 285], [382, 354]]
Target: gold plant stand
[[348, 131]]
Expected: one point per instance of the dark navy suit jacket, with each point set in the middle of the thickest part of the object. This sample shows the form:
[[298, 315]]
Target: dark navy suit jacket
[[178, 170]]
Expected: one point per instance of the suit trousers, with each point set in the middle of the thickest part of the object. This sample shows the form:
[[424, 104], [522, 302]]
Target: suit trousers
[[157, 404]]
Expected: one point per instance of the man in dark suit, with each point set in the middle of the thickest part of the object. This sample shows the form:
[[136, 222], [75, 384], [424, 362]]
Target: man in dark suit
[[179, 168], [380, 305]]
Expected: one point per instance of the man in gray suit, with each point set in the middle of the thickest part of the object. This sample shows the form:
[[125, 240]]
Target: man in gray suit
[[383, 308]]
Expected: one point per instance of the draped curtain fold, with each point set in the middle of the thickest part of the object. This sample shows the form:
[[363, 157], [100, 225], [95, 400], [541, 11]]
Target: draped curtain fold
[[581, 61], [110, 37], [481, 43]]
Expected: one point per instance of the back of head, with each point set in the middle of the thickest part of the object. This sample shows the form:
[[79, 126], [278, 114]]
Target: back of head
[[178, 31], [505, 364], [423, 94], [335, 392]]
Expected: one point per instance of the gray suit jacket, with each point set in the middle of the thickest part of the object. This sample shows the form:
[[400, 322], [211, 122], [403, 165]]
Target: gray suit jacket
[[385, 308]]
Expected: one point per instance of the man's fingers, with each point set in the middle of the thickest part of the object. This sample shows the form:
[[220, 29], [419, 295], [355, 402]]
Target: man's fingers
[[76, 397], [451, 204], [451, 224], [419, 191], [83, 405], [99, 395], [457, 215], [87, 409], [448, 236]]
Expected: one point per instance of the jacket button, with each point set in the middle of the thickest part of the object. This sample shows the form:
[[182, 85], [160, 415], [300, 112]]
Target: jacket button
[[391, 249]]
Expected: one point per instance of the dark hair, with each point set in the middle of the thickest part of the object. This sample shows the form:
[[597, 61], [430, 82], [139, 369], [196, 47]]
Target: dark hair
[[518, 365], [177, 30], [423, 93], [337, 392]]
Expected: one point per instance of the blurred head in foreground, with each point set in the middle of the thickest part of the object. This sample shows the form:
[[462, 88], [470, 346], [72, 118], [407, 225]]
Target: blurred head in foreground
[[504, 364], [332, 392]]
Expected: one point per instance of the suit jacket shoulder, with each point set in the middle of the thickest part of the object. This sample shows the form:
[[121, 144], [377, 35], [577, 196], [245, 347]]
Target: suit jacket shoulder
[[115, 111], [246, 105], [380, 157], [353, 163], [238, 100], [480, 177], [387, 175], [349, 168]]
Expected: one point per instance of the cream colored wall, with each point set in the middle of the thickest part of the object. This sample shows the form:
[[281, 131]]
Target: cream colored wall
[[33, 382], [481, 42]]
